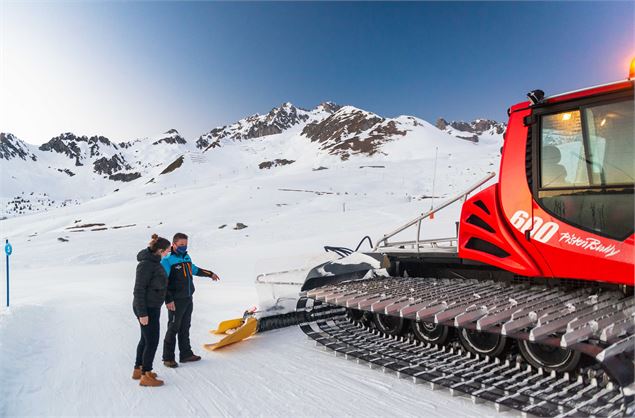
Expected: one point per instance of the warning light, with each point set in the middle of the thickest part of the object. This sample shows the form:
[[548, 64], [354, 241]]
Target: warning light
[[631, 72]]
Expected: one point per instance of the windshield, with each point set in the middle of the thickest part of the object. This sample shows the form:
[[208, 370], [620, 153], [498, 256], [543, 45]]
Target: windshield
[[587, 166], [588, 147]]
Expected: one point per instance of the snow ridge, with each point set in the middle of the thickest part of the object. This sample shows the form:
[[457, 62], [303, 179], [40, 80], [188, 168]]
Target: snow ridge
[[286, 138], [472, 131]]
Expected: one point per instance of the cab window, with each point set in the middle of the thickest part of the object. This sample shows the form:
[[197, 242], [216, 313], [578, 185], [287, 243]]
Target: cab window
[[587, 166]]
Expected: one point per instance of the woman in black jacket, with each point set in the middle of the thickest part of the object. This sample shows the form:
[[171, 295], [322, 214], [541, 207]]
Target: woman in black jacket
[[149, 296]]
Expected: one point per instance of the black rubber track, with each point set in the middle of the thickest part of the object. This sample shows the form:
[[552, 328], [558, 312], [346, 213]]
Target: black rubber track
[[506, 384]]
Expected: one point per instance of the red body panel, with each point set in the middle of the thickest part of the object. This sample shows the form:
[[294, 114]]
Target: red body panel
[[607, 88], [484, 205], [554, 248]]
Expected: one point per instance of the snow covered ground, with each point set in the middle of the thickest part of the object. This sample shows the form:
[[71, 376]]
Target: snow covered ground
[[67, 343], [71, 354]]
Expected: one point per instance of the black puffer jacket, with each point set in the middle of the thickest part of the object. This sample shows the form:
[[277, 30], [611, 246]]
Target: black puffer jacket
[[151, 283]]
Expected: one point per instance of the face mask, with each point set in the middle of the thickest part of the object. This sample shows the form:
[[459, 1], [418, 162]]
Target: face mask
[[181, 249]]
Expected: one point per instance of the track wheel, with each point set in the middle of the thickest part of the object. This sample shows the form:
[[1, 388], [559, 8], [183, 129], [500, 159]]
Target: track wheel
[[483, 343], [391, 325], [355, 315], [429, 332], [548, 357]]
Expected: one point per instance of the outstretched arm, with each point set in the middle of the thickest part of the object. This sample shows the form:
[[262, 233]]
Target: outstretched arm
[[198, 271]]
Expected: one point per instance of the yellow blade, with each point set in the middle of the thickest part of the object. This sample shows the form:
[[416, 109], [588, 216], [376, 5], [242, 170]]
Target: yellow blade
[[227, 325], [247, 330]]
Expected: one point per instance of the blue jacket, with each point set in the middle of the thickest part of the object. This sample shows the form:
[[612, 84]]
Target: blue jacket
[[180, 270]]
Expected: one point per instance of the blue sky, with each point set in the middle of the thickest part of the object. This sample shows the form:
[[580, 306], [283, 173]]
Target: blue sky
[[128, 70]]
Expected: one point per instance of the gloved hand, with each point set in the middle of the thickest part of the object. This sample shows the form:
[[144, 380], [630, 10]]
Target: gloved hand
[[209, 274]]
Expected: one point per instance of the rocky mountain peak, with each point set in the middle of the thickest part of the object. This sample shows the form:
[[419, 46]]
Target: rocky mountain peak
[[71, 145], [328, 107], [171, 136], [12, 147], [351, 131], [278, 120], [477, 126], [471, 131], [441, 124]]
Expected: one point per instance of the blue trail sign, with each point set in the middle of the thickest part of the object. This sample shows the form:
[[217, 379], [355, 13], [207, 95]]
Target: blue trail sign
[[8, 249]]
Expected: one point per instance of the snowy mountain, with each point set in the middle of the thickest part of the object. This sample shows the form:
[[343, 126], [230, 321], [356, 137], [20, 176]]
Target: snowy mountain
[[172, 136], [278, 120], [70, 169], [352, 131], [80, 148], [472, 131], [11, 147]]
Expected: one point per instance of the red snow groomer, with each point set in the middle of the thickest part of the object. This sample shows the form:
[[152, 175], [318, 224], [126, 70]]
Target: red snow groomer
[[531, 305]]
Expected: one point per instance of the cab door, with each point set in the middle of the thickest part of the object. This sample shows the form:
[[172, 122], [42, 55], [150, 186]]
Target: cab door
[[583, 166]]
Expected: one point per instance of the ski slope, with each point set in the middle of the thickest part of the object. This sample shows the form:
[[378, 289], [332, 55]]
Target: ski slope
[[73, 352], [67, 343]]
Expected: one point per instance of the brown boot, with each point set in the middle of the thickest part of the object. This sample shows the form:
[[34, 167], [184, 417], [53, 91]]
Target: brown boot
[[193, 357], [136, 373], [149, 379], [170, 363]]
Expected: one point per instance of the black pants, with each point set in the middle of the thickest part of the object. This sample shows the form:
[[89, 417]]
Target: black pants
[[149, 341], [179, 322]]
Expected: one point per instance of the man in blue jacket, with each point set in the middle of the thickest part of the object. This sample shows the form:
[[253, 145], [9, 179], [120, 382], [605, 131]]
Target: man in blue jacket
[[180, 270]]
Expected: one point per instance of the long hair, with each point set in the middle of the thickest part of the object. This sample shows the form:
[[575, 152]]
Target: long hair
[[158, 243]]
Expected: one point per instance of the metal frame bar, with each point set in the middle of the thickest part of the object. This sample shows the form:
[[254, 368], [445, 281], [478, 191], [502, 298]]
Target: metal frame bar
[[417, 221], [261, 278]]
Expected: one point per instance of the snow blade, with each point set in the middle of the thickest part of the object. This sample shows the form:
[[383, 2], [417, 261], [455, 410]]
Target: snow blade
[[247, 330], [227, 325]]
